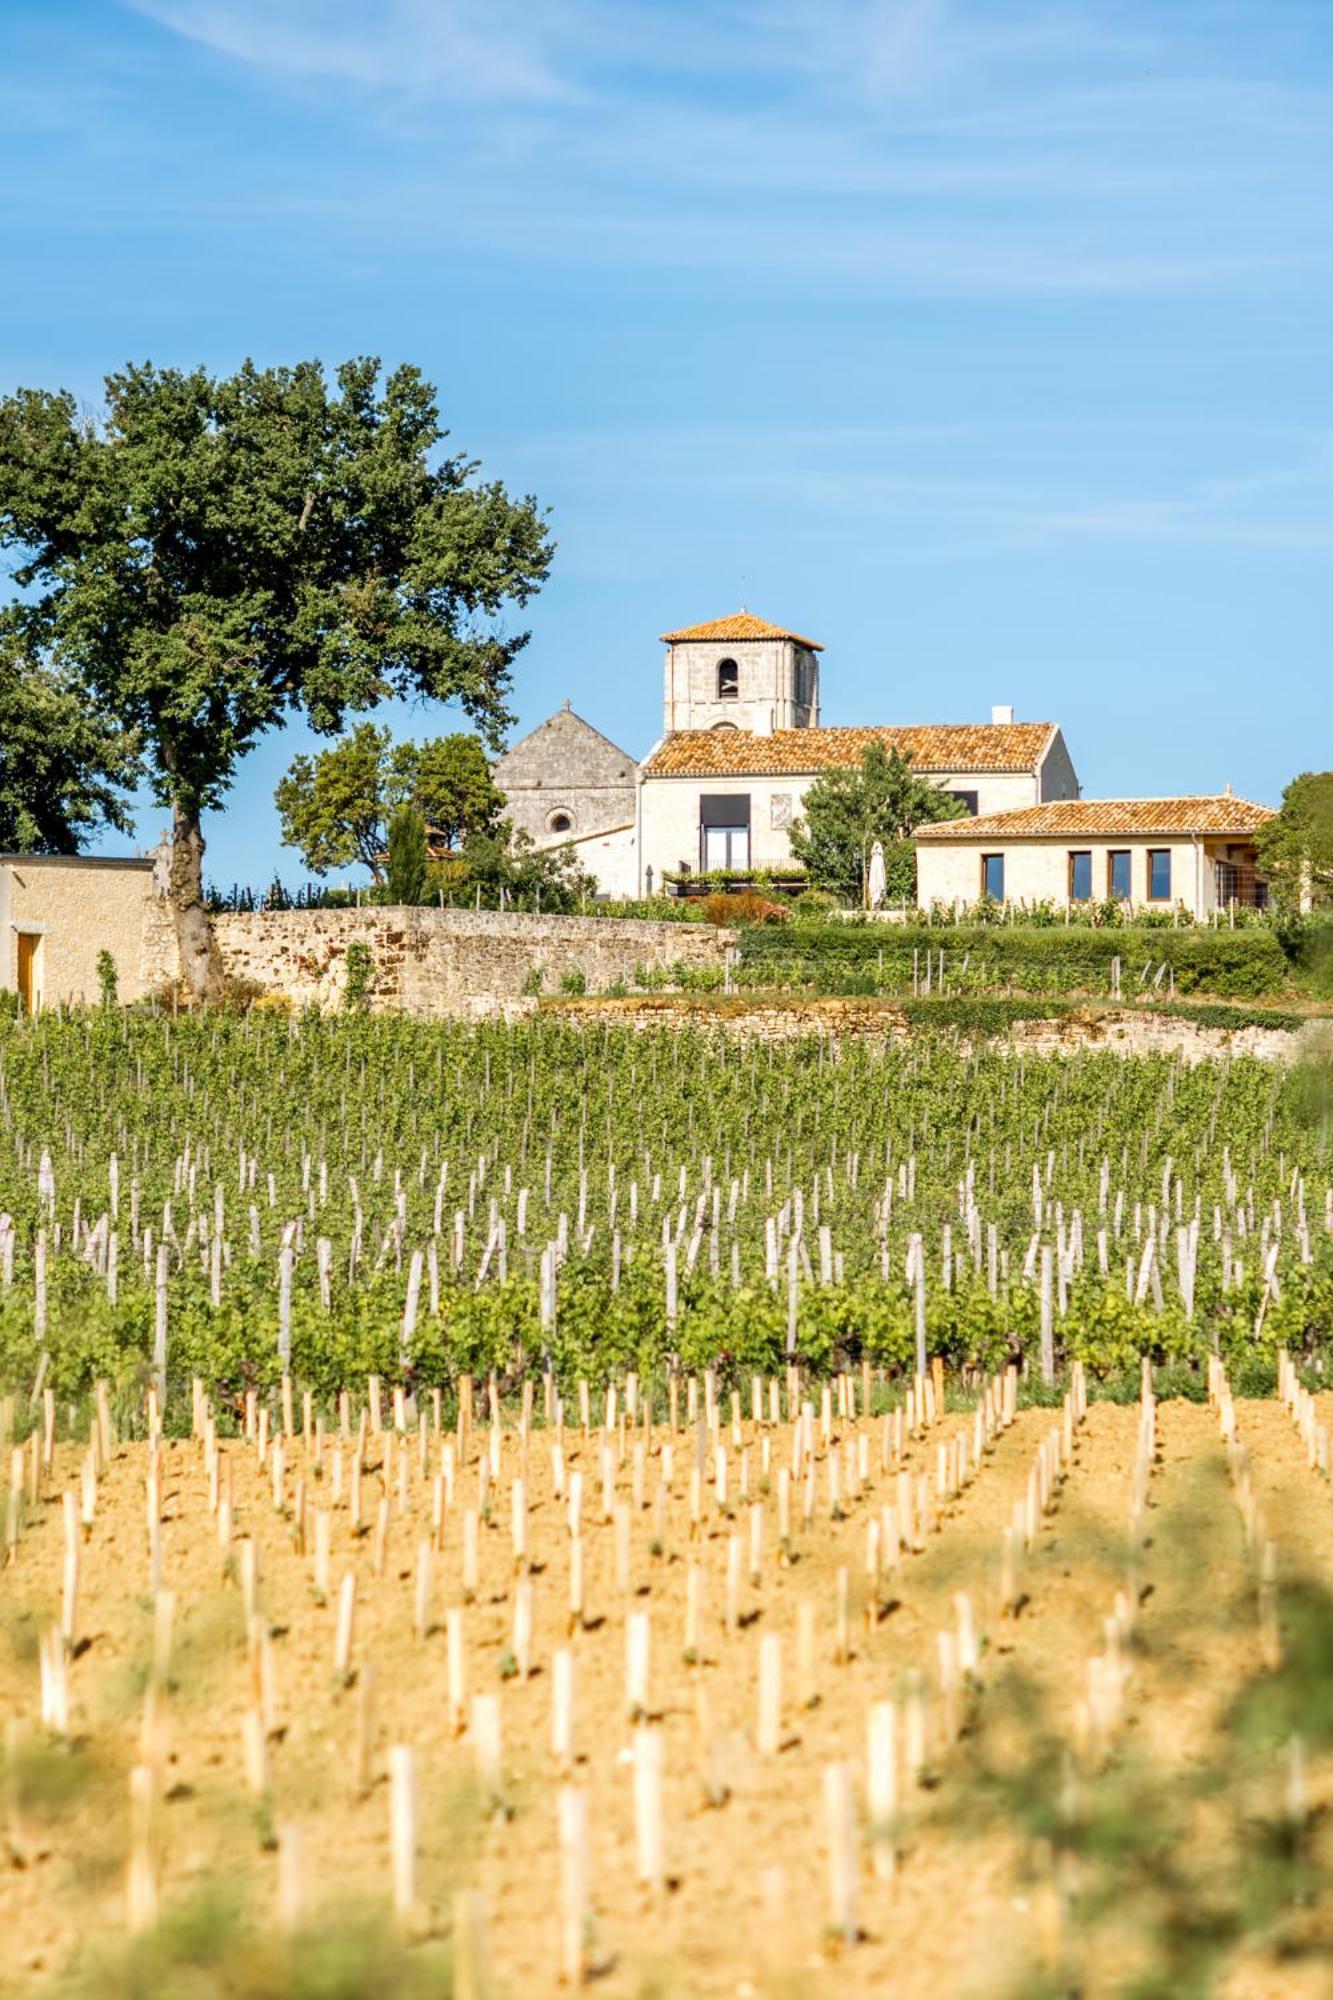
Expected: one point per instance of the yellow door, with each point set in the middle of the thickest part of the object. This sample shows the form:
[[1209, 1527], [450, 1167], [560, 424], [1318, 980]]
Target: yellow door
[[28, 942]]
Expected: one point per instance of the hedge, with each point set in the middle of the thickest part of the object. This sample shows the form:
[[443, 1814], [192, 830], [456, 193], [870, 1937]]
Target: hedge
[[1242, 964]]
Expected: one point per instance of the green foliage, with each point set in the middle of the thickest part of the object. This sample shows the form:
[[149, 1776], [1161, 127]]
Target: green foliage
[[505, 868], [360, 977], [575, 981], [65, 769], [106, 978], [845, 812], [352, 1114], [335, 807], [1014, 959], [1295, 850], [211, 1945], [532, 982], [220, 554], [405, 873]]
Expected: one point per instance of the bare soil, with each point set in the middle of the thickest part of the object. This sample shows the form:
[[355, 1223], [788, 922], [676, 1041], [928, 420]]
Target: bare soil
[[975, 1904]]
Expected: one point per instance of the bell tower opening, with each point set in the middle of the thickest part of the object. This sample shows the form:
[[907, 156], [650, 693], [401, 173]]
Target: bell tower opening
[[742, 671]]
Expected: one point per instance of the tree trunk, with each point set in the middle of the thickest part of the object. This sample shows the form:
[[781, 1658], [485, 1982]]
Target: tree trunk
[[201, 968]]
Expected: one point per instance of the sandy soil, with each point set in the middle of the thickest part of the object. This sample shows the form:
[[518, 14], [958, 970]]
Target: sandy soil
[[974, 1902]]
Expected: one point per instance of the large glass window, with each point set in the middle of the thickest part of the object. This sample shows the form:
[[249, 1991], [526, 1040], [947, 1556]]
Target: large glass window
[[992, 877], [969, 800], [1119, 875], [724, 831], [1080, 875], [1159, 874]]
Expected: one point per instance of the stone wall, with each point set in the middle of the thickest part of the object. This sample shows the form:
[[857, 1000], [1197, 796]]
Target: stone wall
[[428, 961], [1123, 1031]]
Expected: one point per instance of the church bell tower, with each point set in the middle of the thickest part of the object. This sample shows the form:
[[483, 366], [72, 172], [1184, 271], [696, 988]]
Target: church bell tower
[[740, 673]]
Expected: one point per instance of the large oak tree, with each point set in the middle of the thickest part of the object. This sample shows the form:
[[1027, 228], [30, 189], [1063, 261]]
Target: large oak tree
[[64, 770], [213, 556]]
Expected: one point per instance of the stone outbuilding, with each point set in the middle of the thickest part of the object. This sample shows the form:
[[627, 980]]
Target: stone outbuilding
[[59, 912], [1197, 853]]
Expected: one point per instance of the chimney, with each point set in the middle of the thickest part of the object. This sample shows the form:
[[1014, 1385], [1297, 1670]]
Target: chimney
[[1002, 714]]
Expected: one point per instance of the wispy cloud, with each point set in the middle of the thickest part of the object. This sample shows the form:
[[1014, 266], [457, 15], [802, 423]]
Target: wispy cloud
[[937, 147]]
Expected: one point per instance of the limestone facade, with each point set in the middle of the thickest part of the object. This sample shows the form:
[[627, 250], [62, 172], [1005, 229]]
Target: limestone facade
[[59, 912], [566, 781]]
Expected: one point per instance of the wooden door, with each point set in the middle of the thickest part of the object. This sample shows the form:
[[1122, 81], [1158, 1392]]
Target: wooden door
[[27, 942]]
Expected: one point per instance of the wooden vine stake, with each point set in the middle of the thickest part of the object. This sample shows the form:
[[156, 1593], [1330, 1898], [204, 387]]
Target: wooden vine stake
[[840, 1832], [769, 1734], [141, 1899], [470, 1982], [572, 1821], [291, 1879], [562, 1707], [403, 1828], [649, 1841], [882, 1785]]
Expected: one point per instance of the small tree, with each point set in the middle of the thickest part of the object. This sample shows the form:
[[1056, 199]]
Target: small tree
[[335, 807], [450, 784], [1295, 850], [407, 856], [219, 555], [847, 811]]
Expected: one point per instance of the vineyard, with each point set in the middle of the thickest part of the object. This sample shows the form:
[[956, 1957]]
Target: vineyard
[[489, 1510]]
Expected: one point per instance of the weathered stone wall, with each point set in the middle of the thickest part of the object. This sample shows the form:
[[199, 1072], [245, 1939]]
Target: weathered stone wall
[[1122, 1031], [445, 961]]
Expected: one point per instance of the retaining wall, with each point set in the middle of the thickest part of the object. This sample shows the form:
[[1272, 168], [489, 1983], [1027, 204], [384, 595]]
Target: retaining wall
[[426, 961]]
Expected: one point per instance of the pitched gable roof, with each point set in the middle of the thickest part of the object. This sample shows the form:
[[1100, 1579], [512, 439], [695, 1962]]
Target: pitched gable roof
[[569, 726], [741, 625], [932, 747], [1094, 819]]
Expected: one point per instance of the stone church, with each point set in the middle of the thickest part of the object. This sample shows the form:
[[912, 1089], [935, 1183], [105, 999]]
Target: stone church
[[741, 741]]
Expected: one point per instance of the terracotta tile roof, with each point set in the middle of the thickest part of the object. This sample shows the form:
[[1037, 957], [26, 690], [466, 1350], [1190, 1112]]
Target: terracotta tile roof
[[935, 746], [1094, 819], [741, 625]]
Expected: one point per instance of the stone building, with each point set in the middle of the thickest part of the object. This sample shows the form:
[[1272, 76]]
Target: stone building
[[566, 782], [742, 742], [1194, 853], [59, 912]]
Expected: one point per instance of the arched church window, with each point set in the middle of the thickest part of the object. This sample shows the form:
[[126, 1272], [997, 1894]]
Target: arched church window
[[728, 680]]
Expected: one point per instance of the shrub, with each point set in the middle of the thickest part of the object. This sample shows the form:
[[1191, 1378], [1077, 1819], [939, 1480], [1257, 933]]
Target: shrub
[[574, 982], [106, 977], [360, 975], [406, 863], [532, 982], [744, 906]]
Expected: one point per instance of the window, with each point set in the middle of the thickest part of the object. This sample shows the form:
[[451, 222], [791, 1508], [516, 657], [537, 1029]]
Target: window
[[1159, 874], [560, 821], [728, 680], [1119, 875], [724, 831], [992, 877], [969, 800], [1080, 876]]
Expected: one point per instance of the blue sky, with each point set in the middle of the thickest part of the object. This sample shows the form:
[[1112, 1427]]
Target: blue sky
[[988, 342]]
